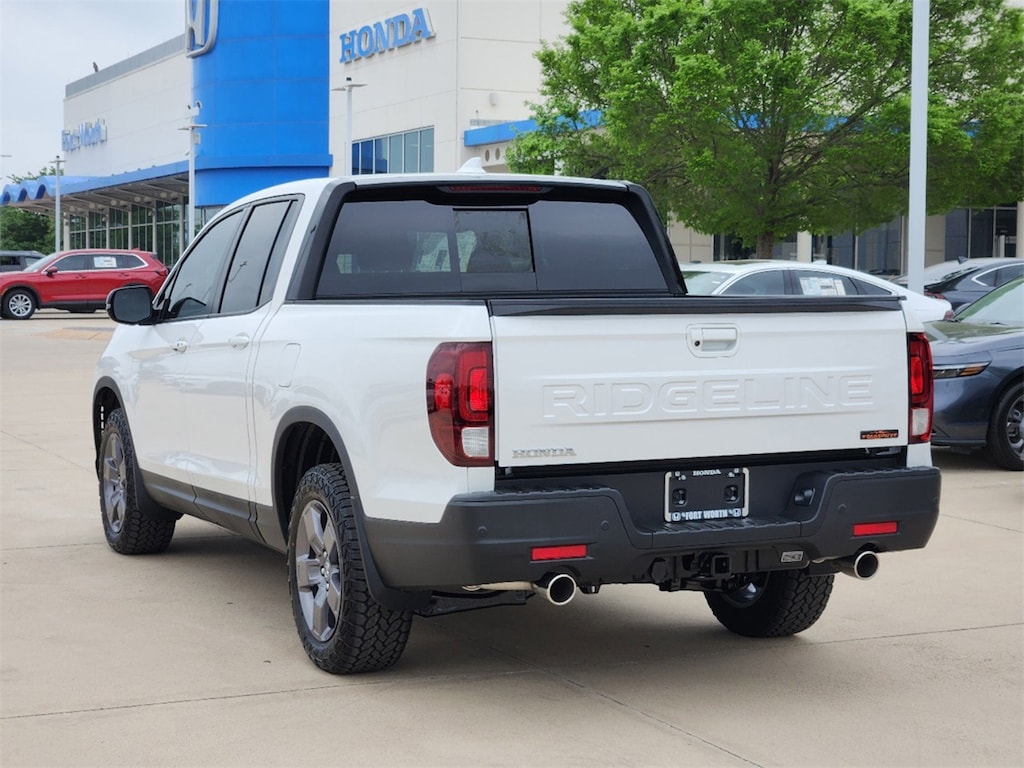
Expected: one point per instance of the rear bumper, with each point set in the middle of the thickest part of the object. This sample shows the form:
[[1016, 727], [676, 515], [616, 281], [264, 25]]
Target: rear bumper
[[489, 537]]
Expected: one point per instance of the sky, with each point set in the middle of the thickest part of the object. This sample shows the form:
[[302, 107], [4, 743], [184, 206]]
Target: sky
[[46, 44]]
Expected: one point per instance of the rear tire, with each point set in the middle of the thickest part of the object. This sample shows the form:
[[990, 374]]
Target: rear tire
[[342, 627], [19, 304], [128, 530], [1005, 440], [771, 604]]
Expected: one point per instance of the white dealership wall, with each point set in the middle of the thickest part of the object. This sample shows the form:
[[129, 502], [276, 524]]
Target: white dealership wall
[[478, 69], [141, 103]]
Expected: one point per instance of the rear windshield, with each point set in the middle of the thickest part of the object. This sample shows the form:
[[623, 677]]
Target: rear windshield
[[420, 246]]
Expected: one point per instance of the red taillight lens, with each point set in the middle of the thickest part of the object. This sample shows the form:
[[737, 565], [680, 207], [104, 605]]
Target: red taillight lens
[[460, 402], [876, 529], [443, 388], [474, 370], [921, 387], [565, 552]]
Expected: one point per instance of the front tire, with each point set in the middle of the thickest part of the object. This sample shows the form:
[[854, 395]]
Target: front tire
[[342, 627], [19, 304], [128, 530], [771, 604], [1005, 440]]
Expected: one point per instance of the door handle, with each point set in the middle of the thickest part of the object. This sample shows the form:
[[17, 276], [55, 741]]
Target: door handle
[[713, 341], [240, 341], [180, 345]]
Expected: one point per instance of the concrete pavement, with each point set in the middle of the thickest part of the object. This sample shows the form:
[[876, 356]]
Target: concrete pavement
[[190, 658]]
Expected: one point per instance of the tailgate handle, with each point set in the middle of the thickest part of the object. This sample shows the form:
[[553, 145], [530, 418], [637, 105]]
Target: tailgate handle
[[713, 339]]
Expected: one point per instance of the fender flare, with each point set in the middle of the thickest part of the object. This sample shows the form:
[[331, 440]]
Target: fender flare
[[395, 599], [147, 506]]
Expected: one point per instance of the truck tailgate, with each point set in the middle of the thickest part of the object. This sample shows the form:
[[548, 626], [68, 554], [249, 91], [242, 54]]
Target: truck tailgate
[[578, 387]]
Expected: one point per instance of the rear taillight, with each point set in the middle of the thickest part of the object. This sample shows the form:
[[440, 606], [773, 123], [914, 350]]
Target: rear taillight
[[921, 387], [460, 402]]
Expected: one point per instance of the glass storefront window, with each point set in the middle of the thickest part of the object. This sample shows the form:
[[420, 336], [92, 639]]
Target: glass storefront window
[[879, 250], [118, 229], [97, 230], [77, 234], [168, 233], [142, 228], [408, 152]]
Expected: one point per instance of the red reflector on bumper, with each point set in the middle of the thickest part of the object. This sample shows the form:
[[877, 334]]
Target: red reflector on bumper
[[875, 529], [559, 553]]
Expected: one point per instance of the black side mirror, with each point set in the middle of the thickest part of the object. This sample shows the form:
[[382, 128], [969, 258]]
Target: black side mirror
[[131, 304], [50, 272]]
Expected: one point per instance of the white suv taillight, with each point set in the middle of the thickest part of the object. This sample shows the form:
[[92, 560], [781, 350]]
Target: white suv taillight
[[460, 402], [921, 387]]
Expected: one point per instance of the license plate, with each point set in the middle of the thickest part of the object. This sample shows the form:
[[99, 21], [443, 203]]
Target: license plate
[[705, 494]]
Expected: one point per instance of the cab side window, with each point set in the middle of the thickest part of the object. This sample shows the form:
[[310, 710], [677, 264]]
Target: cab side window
[[195, 290], [249, 281]]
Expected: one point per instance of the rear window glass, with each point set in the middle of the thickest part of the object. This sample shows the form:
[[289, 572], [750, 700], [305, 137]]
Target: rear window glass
[[396, 247]]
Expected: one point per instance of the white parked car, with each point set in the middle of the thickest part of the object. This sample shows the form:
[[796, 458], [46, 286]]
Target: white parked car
[[797, 278]]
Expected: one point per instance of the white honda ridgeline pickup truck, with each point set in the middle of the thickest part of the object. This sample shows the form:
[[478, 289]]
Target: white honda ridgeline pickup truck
[[436, 393]]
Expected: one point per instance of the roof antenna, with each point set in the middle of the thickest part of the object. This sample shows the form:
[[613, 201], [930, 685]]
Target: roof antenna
[[473, 165]]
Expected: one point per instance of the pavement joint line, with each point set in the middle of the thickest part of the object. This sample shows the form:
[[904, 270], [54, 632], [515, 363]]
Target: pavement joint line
[[979, 522], [653, 718], [925, 633], [344, 683], [565, 678], [38, 447], [103, 542]]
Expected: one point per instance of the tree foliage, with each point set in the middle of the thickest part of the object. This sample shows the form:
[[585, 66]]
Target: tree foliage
[[22, 230], [768, 117]]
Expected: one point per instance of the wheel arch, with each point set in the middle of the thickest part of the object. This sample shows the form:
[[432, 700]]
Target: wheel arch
[[306, 437], [1012, 379], [24, 287], [106, 398]]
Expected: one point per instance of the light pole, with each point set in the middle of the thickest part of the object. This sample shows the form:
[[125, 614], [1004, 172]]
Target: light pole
[[347, 87], [58, 224], [193, 139], [917, 210]]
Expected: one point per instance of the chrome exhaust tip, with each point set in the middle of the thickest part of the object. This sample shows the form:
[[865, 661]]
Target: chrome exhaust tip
[[558, 589], [861, 566]]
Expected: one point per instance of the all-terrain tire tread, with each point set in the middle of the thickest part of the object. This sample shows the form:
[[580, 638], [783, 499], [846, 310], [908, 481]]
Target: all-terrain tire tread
[[139, 534], [792, 602], [369, 637]]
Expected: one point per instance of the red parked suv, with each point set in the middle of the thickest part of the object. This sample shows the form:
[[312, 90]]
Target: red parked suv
[[77, 281]]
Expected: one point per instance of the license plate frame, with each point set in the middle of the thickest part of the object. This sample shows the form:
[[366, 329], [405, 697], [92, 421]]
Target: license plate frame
[[701, 495]]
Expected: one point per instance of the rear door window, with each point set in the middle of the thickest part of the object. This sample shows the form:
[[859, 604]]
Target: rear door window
[[766, 283], [195, 286], [813, 283]]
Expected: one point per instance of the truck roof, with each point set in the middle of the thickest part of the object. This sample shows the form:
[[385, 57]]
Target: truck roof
[[317, 185]]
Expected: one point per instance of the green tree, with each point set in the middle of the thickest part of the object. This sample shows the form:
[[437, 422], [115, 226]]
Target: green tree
[[768, 117], [22, 230], [25, 231]]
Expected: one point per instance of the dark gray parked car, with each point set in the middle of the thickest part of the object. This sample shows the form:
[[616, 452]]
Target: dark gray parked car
[[15, 261], [975, 280], [978, 360]]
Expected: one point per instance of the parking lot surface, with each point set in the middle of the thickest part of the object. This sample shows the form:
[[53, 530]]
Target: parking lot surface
[[190, 658]]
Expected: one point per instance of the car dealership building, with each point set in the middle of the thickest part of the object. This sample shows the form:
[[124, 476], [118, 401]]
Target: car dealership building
[[257, 92]]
